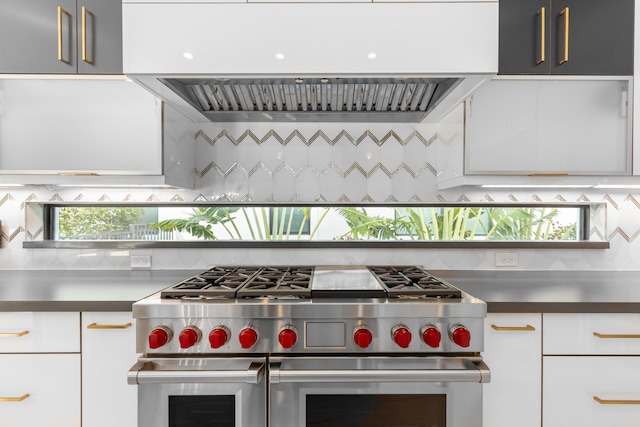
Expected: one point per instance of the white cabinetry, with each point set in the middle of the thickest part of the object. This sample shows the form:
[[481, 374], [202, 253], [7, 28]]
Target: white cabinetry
[[108, 351], [591, 368], [40, 369], [88, 131], [513, 353], [539, 131]]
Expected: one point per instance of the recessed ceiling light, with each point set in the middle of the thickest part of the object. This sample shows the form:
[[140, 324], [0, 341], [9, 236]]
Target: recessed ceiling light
[[188, 55], [372, 55], [280, 56]]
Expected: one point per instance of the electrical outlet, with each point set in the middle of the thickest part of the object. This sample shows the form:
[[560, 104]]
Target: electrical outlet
[[506, 259], [140, 261]]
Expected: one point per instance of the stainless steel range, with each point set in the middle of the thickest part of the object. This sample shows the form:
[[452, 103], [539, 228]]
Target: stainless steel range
[[352, 346]]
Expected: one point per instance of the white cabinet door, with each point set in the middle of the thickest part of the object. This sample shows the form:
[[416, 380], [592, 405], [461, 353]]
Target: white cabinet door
[[108, 351], [548, 127], [39, 332], [79, 126], [592, 333], [591, 391], [40, 390], [513, 353]]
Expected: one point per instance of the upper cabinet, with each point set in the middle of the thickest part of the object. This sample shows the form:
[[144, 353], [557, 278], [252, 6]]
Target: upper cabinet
[[61, 37], [569, 37]]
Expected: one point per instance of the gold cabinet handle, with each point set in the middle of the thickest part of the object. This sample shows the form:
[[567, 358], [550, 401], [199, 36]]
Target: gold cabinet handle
[[541, 49], [13, 334], [61, 57], [513, 328], [96, 326], [599, 335], [565, 46], [615, 401], [86, 13], [14, 399]]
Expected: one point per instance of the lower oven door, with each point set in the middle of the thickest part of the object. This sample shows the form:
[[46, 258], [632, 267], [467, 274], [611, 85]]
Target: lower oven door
[[185, 392], [376, 392]]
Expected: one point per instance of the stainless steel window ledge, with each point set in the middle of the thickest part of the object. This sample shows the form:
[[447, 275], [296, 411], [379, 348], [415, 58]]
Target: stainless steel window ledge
[[341, 244]]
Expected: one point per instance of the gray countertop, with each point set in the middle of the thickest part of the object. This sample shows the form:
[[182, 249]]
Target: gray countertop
[[504, 291]]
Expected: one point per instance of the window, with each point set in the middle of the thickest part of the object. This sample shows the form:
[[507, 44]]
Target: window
[[410, 224]]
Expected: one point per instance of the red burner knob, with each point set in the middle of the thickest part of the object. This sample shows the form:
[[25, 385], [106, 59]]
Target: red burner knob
[[189, 337], [287, 337], [401, 336], [248, 337], [218, 337], [159, 337], [431, 336], [362, 337], [460, 335]]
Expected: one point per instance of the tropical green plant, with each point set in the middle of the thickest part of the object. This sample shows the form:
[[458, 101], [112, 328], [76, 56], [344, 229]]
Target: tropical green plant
[[85, 222], [201, 222]]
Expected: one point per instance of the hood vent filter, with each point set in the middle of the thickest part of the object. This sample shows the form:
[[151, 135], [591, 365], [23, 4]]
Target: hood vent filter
[[313, 99]]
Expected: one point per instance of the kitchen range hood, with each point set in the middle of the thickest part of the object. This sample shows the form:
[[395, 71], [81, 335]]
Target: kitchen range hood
[[288, 62]]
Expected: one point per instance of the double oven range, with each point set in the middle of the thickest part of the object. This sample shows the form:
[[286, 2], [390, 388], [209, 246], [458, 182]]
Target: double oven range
[[302, 346]]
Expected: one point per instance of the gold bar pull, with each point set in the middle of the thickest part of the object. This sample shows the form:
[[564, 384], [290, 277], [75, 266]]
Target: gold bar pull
[[61, 57], [541, 48], [513, 328], [96, 326], [565, 46], [615, 401], [14, 399], [13, 334], [86, 12], [599, 335]]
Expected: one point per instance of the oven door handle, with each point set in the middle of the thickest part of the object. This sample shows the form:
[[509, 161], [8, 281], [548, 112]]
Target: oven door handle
[[476, 371], [144, 373]]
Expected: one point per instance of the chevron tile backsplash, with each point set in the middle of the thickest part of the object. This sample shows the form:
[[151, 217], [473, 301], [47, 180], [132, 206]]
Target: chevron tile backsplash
[[360, 163]]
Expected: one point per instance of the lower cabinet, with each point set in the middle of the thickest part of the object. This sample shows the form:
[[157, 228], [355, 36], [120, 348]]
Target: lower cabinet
[[40, 369], [591, 369], [108, 351], [513, 353], [40, 390]]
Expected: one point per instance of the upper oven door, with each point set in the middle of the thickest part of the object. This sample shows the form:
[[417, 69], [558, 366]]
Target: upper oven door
[[225, 392], [376, 392]]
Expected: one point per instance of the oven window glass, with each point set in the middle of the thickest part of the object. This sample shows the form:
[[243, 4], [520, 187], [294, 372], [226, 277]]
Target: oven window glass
[[202, 411], [377, 410]]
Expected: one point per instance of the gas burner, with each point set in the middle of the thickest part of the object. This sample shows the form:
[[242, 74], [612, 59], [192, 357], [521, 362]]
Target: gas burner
[[217, 282], [411, 281], [279, 282]]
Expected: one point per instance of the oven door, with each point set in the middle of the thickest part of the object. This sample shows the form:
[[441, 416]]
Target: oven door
[[181, 392], [376, 391]]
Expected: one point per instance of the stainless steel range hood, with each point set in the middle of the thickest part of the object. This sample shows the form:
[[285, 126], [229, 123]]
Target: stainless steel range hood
[[313, 99], [385, 62]]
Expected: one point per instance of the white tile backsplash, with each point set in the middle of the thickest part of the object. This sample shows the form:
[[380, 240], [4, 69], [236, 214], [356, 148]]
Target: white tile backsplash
[[336, 162]]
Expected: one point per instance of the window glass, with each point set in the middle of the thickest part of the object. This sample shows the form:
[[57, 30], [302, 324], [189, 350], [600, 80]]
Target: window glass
[[320, 223]]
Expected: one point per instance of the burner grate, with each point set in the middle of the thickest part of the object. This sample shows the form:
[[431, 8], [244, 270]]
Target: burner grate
[[217, 282], [411, 281], [279, 282]]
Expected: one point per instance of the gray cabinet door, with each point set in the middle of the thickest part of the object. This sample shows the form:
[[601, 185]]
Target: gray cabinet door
[[99, 26], [31, 39], [524, 37], [570, 37], [595, 39]]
